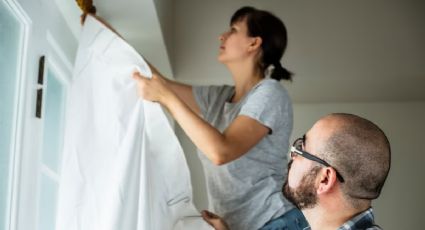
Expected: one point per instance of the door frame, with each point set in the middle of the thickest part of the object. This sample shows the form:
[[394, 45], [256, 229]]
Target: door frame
[[18, 122]]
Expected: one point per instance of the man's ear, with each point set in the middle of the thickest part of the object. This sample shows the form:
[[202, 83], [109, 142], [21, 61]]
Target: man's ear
[[326, 180], [255, 43]]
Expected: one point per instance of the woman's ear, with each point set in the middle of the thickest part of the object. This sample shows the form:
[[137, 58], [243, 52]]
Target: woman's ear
[[255, 43], [326, 180]]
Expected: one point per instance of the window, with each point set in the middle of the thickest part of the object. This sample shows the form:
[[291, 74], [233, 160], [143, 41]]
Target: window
[[52, 148]]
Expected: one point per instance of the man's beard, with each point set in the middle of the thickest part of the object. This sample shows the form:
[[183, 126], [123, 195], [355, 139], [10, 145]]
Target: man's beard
[[304, 196]]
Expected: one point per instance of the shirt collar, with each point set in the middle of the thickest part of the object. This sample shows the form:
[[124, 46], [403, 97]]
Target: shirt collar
[[364, 218]]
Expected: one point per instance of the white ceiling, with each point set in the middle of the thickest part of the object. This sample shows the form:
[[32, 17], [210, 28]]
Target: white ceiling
[[340, 51]]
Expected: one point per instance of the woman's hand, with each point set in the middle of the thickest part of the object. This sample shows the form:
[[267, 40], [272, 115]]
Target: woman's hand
[[214, 220], [153, 89]]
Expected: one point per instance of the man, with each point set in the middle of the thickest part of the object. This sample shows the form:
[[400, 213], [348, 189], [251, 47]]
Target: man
[[336, 170]]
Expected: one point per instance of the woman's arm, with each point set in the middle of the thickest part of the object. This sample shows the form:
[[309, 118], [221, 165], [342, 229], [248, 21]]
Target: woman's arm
[[183, 91], [241, 135]]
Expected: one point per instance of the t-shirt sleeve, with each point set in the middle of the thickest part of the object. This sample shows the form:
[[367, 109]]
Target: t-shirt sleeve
[[269, 104], [201, 97], [209, 96]]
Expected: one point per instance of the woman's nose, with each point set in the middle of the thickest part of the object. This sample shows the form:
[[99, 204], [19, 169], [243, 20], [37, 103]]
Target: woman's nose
[[222, 36]]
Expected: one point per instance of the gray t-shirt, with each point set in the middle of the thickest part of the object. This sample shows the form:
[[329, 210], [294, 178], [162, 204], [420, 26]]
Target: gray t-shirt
[[247, 191]]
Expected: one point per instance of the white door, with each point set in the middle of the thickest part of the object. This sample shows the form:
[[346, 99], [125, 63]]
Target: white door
[[11, 41], [32, 108], [52, 109]]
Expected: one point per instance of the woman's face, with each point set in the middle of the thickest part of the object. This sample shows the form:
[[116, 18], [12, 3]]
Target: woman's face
[[235, 43]]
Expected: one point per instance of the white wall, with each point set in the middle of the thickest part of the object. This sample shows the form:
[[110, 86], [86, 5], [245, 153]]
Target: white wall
[[402, 199], [351, 44]]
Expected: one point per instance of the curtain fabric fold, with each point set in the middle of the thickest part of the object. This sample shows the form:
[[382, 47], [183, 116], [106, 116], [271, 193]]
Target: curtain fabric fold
[[123, 167]]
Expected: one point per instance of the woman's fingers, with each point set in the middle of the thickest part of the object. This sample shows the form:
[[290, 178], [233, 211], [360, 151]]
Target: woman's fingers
[[137, 75], [214, 220], [150, 89], [142, 84], [209, 214]]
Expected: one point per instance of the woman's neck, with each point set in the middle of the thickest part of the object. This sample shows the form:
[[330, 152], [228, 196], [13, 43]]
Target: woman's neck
[[245, 77]]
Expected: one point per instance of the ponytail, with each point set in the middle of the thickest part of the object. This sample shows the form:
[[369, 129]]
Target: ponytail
[[279, 73]]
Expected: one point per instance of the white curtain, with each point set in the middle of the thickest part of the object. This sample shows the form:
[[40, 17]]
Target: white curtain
[[123, 167]]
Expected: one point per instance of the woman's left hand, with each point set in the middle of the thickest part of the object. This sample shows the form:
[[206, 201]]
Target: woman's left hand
[[214, 220], [152, 89]]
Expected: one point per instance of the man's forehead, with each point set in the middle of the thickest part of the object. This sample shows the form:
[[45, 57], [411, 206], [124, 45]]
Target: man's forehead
[[322, 130]]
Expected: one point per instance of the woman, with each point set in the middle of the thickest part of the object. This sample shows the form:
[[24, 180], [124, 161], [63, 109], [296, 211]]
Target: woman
[[242, 131]]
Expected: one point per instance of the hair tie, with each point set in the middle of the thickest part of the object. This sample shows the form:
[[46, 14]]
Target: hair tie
[[278, 65]]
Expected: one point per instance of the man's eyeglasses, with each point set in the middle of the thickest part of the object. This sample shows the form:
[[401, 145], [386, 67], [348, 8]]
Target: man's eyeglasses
[[297, 148]]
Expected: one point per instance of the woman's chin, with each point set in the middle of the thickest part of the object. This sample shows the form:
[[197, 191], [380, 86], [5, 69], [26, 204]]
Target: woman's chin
[[221, 58]]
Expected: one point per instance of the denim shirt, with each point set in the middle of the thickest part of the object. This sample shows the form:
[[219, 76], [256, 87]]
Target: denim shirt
[[364, 220]]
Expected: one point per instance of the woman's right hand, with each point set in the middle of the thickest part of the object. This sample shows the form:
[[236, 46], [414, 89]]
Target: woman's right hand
[[153, 89], [183, 91]]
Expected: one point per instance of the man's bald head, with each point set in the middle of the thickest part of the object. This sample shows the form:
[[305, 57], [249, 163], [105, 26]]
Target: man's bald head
[[358, 149]]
